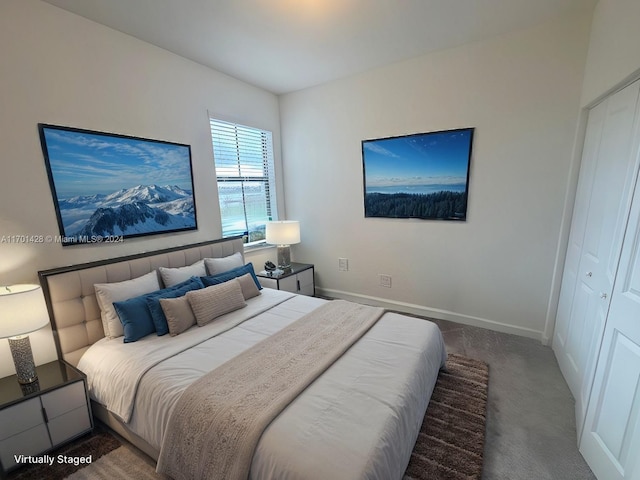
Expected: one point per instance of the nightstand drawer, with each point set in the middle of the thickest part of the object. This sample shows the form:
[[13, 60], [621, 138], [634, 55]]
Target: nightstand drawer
[[305, 282], [69, 425], [30, 442], [20, 417], [289, 284], [64, 400]]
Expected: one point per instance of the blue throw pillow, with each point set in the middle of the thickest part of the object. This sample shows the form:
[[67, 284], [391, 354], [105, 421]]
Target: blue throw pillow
[[230, 275], [135, 318], [153, 302]]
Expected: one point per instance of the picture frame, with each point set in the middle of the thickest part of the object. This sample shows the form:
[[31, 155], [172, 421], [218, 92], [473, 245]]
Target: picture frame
[[422, 175], [107, 187]]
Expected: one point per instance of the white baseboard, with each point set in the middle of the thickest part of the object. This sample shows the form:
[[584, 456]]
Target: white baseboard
[[433, 313]]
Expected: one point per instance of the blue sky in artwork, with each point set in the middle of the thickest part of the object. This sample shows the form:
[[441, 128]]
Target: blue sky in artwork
[[439, 158], [87, 164]]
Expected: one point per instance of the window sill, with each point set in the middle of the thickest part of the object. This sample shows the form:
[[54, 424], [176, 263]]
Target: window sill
[[257, 247]]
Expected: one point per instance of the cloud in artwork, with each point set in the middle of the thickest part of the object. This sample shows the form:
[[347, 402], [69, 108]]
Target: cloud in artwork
[[376, 148], [385, 181], [86, 163]]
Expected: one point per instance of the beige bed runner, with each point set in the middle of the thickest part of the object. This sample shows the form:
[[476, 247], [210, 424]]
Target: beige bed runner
[[217, 422]]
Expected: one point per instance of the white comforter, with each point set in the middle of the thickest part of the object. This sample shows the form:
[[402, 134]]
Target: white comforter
[[360, 419]]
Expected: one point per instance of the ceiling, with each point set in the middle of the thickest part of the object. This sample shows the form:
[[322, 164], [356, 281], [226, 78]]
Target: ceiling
[[287, 45]]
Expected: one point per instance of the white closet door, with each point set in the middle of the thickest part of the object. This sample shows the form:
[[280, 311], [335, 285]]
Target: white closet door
[[600, 216], [611, 439]]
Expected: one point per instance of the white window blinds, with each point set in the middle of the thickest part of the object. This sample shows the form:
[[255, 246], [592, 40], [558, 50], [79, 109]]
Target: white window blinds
[[243, 158]]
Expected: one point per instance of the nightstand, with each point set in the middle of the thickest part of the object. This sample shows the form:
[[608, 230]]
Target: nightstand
[[43, 415], [297, 279]]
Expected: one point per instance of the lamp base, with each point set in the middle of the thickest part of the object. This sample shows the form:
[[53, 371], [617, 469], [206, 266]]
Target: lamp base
[[284, 257], [23, 359]]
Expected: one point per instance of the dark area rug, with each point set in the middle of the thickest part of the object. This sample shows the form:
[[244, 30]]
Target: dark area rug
[[451, 441], [97, 444]]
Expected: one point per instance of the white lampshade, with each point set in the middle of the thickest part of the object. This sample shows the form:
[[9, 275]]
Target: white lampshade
[[286, 232], [22, 310]]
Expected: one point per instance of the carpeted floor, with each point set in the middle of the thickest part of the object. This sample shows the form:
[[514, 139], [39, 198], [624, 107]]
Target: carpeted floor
[[449, 446], [531, 428]]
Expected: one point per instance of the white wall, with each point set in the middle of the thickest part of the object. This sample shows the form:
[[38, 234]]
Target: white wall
[[522, 94], [62, 69], [613, 55]]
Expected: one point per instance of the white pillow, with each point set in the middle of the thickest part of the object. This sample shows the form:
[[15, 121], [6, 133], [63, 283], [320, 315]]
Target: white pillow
[[224, 264], [107, 293], [173, 276]]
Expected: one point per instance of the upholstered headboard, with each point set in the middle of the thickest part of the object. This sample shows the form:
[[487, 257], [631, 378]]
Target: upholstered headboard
[[71, 299]]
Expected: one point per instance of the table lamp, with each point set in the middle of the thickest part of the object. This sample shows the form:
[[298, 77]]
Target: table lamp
[[22, 311], [283, 233]]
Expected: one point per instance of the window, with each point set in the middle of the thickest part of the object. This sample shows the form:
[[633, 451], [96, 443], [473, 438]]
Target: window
[[243, 158]]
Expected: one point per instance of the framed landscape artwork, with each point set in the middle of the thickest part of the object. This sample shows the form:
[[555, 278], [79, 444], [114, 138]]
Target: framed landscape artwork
[[424, 175], [107, 187]]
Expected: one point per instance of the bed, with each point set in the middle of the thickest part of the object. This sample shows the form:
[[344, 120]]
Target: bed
[[359, 418]]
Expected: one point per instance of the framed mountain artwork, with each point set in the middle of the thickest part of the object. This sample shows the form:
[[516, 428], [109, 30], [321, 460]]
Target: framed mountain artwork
[[107, 187], [424, 175]]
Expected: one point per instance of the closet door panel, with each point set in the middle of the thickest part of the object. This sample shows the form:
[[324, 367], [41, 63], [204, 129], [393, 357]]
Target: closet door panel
[[614, 181], [564, 326], [611, 438]]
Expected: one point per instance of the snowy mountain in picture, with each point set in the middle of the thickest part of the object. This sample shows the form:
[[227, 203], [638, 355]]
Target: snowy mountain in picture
[[147, 194], [133, 211]]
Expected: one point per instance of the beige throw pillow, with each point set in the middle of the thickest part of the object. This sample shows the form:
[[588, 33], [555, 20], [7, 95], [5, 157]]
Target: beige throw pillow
[[211, 302], [248, 286], [179, 314]]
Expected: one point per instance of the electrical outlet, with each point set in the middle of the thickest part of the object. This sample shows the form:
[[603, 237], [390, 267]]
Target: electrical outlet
[[343, 264], [385, 280]]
